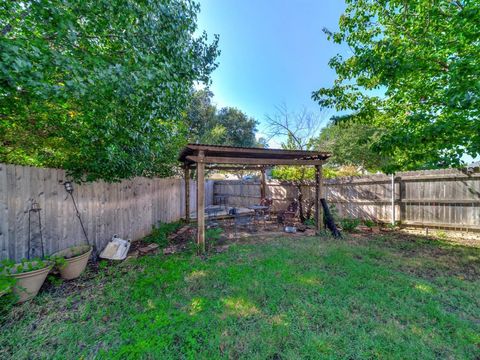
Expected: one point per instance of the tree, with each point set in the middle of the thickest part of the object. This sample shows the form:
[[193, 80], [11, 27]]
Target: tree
[[98, 87], [201, 116], [227, 126], [415, 71], [239, 129], [298, 131], [350, 144]]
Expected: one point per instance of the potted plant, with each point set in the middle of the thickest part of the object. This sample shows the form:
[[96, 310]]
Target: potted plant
[[6, 284], [72, 261], [28, 275]]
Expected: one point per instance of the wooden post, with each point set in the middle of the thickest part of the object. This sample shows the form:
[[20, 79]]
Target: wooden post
[[401, 195], [201, 202], [393, 199], [187, 193], [318, 196], [263, 185]]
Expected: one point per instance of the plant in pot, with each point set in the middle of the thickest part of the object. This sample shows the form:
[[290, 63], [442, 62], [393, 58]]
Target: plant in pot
[[75, 258], [6, 284], [72, 261], [26, 277]]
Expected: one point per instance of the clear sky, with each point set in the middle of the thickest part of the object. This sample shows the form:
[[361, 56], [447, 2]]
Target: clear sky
[[273, 51]]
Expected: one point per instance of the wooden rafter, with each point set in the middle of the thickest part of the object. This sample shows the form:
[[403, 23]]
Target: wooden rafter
[[227, 158]]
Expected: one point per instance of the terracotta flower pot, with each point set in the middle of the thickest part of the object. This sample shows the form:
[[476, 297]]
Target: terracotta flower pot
[[29, 283], [76, 259]]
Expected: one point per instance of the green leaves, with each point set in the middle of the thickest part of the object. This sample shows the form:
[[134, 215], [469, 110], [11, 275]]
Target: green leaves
[[351, 142], [99, 87], [414, 72], [226, 126]]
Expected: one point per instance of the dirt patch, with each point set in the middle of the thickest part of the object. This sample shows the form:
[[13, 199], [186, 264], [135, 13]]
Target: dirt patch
[[58, 287], [181, 240]]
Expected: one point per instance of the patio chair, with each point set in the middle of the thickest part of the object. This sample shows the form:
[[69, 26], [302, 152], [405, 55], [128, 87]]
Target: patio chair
[[240, 220], [265, 215], [290, 216]]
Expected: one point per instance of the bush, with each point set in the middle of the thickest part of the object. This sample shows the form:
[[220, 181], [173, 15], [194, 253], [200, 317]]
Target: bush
[[309, 222], [369, 223], [349, 224], [213, 235]]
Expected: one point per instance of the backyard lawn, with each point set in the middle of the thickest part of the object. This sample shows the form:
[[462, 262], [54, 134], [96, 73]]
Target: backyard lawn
[[391, 296]]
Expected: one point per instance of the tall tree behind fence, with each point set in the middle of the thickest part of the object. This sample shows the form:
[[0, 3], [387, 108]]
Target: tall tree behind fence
[[446, 198], [129, 208]]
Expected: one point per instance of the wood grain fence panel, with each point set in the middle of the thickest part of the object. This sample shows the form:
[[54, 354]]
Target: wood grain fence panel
[[4, 239], [129, 208], [447, 198]]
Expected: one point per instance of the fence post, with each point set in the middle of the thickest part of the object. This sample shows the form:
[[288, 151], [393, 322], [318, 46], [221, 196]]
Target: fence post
[[393, 199], [187, 193]]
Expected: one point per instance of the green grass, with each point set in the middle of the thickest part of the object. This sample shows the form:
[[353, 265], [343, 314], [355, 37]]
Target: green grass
[[386, 297], [160, 233]]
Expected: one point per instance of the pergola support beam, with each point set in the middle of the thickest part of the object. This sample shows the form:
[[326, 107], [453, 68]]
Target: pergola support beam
[[318, 196], [201, 203], [212, 157], [187, 193], [253, 161], [229, 168], [263, 184]]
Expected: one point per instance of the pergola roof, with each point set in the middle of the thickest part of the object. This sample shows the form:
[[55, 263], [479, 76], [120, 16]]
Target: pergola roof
[[220, 154], [199, 155]]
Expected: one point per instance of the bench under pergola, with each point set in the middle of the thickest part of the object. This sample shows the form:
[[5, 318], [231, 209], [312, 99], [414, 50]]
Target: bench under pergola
[[229, 158]]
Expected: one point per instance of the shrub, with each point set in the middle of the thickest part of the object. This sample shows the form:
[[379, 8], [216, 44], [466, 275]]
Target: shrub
[[309, 222], [441, 234], [213, 235], [369, 223], [349, 224]]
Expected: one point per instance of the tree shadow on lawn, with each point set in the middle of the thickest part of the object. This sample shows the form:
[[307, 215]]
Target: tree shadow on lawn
[[275, 298], [427, 257]]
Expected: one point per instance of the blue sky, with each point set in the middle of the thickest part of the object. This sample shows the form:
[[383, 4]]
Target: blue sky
[[273, 52]]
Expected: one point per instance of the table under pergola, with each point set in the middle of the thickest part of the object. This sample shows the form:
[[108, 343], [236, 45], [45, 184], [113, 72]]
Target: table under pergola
[[202, 157]]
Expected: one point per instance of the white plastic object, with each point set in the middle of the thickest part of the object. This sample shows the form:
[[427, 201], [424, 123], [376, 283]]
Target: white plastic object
[[290, 229], [116, 249]]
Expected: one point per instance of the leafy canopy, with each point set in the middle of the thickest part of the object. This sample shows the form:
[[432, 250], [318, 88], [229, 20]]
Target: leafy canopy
[[225, 126], [350, 144], [98, 87], [415, 70]]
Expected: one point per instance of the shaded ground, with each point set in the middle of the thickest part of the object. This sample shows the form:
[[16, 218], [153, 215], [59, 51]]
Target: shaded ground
[[390, 295]]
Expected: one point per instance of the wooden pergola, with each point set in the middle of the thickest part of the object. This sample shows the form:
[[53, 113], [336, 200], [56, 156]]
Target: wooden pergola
[[229, 158]]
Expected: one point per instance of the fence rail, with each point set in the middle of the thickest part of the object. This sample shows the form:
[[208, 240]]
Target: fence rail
[[129, 208], [445, 198]]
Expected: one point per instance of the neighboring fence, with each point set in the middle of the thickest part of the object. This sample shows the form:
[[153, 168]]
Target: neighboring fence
[[129, 208], [445, 198]]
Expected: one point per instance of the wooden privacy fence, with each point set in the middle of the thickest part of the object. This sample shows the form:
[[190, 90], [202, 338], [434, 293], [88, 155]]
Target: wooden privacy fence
[[129, 208], [446, 198]]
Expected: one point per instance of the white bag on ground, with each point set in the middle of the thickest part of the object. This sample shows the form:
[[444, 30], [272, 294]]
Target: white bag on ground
[[116, 249]]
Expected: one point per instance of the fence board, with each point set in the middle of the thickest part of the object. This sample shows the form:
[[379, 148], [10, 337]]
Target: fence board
[[129, 208], [446, 198], [4, 240]]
